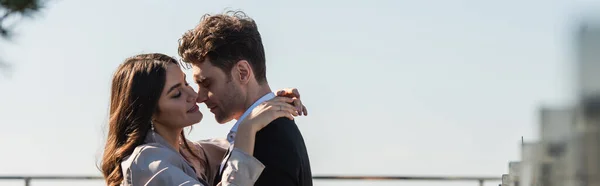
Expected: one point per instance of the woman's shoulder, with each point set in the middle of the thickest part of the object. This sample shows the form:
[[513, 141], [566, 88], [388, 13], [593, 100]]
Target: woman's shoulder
[[149, 157], [156, 165]]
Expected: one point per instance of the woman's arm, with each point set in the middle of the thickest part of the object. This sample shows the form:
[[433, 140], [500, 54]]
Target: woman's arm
[[242, 168], [259, 118]]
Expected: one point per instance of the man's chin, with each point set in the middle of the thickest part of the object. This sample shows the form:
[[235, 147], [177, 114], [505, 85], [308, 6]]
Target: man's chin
[[222, 120]]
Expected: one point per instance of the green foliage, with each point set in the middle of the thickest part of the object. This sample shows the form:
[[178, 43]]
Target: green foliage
[[10, 9]]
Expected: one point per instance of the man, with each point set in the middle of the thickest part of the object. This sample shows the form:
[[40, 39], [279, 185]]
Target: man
[[228, 60]]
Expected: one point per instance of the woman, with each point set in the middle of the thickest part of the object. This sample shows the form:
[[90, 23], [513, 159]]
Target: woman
[[151, 104]]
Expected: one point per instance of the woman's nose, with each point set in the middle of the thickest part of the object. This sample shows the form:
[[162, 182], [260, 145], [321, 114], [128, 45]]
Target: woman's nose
[[192, 96]]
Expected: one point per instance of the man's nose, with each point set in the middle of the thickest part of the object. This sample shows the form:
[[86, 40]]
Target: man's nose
[[201, 97]]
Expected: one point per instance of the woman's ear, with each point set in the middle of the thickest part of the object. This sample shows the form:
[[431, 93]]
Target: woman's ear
[[153, 119]]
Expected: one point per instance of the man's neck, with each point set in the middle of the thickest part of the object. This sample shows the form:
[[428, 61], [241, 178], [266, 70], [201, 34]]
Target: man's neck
[[254, 95]]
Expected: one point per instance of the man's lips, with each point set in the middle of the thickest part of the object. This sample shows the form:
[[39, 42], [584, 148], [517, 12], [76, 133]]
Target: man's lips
[[212, 108]]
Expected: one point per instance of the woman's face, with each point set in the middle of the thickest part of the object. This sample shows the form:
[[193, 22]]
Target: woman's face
[[177, 103]]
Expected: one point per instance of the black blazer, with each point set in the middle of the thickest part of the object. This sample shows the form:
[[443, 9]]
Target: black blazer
[[280, 147]]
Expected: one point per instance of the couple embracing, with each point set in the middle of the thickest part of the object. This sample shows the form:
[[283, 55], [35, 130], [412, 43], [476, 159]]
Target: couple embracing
[[151, 103]]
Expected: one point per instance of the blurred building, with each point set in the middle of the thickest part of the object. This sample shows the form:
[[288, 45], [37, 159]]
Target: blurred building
[[568, 151], [587, 122], [556, 147]]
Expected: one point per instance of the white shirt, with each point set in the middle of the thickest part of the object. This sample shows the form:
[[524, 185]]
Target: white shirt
[[231, 135], [232, 132]]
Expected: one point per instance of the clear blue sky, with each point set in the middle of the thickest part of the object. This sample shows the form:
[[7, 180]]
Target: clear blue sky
[[393, 87]]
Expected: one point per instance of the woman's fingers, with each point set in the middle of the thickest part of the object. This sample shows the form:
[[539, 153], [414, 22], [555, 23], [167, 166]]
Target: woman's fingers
[[282, 99], [286, 114], [278, 106], [289, 92], [297, 103], [278, 110], [304, 110], [285, 101], [295, 94]]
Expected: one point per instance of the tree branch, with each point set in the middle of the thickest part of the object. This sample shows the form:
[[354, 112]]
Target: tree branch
[[24, 8]]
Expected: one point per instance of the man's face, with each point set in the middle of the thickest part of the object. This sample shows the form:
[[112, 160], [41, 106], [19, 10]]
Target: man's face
[[221, 94]]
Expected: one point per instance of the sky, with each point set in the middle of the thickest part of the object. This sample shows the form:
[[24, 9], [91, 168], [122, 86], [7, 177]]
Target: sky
[[393, 87]]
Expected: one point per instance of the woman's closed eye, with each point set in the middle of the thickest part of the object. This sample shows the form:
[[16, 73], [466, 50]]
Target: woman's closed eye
[[177, 95]]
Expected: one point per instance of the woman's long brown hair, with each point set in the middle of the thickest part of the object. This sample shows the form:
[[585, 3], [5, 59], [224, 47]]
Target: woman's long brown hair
[[136, 88]]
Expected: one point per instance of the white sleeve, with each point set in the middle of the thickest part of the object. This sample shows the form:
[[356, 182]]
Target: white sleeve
[[242, 169]]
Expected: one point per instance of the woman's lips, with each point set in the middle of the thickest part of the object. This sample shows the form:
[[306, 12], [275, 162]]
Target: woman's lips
[[193, 109]]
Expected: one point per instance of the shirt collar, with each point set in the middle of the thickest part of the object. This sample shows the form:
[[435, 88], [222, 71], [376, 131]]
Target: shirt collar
[[264, 98]]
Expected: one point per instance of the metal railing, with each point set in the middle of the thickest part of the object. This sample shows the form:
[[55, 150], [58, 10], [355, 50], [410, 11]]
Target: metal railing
[[480, 180]]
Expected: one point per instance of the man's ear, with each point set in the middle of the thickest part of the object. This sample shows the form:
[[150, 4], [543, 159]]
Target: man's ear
[[242, 71]]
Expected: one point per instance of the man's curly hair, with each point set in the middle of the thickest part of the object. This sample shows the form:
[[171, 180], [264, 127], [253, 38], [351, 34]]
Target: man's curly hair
[[225, 39]]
